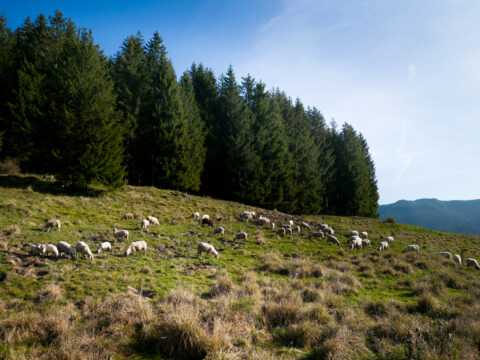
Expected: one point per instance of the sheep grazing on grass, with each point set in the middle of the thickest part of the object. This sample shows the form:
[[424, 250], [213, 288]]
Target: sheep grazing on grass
[[318, 233], [383, 245], [38, 249], [353, 233], [286, 226], [305, 225], [247, 216], [242, 235], [290, 222], [209, 249], [128, 216], [196, 215], [364, 235], [52, 249], [332, 239], [263, 220], [52, 224], [120, 234], [136, 246], [207, 221], [356, 243], [281, 231], [219, 230], [412, 247], [288, 231], [296, 229], [273, 225], [83, 249], [389, 239], [458, 259], [104, 247], [366, 242], [472, 262], [65, 248], [205, 216], [153, 220], [144, 224], [445, 254]]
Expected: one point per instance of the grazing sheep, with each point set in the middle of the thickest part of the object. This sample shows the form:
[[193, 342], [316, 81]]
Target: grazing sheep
[[65, 248], [458, 259], [273, 225], [219, 230], [324, 227], [366, 242], [305, 225], [287, 226], [247, 215], [364, 235], [333, 239], [318, 233], [153, 220], [353, 233], [209, 249], [354, 237], [128, 216], [207, 221], [242, 235], [356, 243], [281, 231], [38, 249], [144, 224], [472, 262], [205, 216], [120, 234], [290, 222], [83, 249], [445, 254], [389, 239], [288, 231], [52, 224], [296, 229], [412, 247], [263, 220], [136, 246], [104, 246], [196, 215], [383, 246], [52, 249]]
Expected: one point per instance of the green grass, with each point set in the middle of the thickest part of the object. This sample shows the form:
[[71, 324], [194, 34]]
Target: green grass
[[347, 279]]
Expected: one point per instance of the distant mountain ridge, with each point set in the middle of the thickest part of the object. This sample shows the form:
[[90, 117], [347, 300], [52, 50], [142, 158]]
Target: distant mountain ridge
[[455, 216]]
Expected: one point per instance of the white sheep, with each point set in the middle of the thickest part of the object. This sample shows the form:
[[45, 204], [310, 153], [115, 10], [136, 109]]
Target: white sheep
[[52, 224], [128, 216], [286, 226], [209, 249], [445, 254], [83, 249], [52, 249], [356, 243], [290, 222], [273, 225], [120, 234], [389, 239], [65, 248], [458, 259], [196, 215], [296, 229], [383, 245], [364, 235], [104, 246], [242, 235], [366, 242], [412, 247], [205, 216], [318, 233], [472, 262], [305, 225], [153, 220], [288, 231], [136, 246], [144, 224], [38, 249], [353, 233], [263, 220], [246, 215], [219, 230], [333, 239], [281, 231]]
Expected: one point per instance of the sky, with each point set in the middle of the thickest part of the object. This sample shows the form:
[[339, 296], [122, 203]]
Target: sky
[[404, 73]]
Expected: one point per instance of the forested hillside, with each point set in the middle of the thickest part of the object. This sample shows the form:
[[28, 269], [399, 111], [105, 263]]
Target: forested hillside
[[461, 217], [67, 109]]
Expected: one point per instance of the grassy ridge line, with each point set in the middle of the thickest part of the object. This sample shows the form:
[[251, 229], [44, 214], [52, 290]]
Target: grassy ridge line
[[302, 271]]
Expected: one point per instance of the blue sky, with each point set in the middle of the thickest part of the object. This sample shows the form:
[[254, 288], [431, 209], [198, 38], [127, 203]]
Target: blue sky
[[404, 73]]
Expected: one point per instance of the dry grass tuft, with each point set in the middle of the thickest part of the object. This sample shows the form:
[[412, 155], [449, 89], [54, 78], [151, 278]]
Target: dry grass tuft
[[284, 313], [223, 285], [13, 230], [51, 292]]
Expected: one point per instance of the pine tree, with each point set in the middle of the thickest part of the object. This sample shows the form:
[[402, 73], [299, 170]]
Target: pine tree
[[7, 69]]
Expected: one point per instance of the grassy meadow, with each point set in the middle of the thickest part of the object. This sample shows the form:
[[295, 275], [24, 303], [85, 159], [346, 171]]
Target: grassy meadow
[[270, 297]]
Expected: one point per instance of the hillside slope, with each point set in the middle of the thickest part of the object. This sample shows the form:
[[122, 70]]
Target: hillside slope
[[269, 297], [461, 217]]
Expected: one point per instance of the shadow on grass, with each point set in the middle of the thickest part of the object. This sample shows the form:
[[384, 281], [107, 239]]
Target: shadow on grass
[[47, 186]]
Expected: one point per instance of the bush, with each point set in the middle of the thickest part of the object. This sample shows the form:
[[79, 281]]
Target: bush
[[390, 220], [10, 167]]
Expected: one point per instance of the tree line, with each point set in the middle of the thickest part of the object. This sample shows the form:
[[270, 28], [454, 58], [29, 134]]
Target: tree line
[[69, 110]]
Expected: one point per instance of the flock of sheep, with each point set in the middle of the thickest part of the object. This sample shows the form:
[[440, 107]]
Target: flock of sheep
[[356, 240]]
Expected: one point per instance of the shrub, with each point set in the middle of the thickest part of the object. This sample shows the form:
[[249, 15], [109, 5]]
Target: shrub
[[390, 220]]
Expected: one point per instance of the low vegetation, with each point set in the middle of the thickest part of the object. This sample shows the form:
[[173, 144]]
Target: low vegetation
[[269, 297]]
